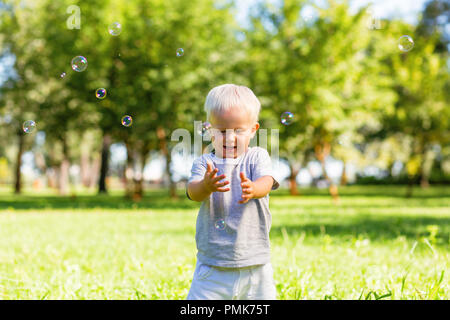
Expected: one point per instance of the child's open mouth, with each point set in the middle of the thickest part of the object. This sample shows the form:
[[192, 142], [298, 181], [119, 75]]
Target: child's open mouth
[[229, 149]]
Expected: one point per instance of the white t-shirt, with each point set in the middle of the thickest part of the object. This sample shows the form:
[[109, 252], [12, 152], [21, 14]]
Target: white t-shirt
[[230, 234]]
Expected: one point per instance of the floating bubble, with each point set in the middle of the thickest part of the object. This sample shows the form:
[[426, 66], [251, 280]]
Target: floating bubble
[[204, 129], [219, 224], [63, 75], [115, 28], [29, 126], [287, 118], [100, 93], [79, 63], [405, 43], [180, 52], [127, 121]]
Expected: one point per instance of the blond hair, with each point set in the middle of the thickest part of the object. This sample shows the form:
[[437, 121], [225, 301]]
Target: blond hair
[[227, 96]]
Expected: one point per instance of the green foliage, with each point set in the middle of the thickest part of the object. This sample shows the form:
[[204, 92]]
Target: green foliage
[[341, 79]]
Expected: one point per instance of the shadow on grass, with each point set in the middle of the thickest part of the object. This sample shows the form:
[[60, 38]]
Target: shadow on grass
[[374, 227], [152, 200], [159, 199], [396, 191]]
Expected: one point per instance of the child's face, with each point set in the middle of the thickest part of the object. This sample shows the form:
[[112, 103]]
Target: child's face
[[231, 132]]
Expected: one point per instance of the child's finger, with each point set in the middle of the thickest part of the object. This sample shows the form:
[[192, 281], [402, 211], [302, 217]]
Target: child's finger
[[208, 166], [243, 177], [221, 184], [246, 190], [218, 178], [243, 201], [212, 174], [223, 189], [245, 185]]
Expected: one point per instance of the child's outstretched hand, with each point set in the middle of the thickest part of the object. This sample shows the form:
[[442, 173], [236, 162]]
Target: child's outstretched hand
[[248, 188], [211, 182]]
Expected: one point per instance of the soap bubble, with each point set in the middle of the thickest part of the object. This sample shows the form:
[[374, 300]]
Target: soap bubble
[[115, 28], [180, 52], [287, 118], [62, 75], [100, 93], [127, 121], [79, 63], [219, 224], [405, 43], [29, 126], [203, 131]]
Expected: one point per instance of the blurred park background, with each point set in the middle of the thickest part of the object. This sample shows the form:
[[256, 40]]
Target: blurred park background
[[364, 166]]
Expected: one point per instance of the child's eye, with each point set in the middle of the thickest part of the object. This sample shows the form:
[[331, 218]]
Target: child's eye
[[236, 131]]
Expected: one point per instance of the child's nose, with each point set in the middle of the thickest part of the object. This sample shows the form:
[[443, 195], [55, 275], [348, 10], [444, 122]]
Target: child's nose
[[230, 136]]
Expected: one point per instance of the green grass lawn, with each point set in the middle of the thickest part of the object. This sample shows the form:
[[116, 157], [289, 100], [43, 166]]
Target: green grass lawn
[[374, 244]]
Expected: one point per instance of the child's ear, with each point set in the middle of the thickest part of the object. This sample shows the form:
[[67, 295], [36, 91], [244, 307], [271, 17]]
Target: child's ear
[[254, 129]]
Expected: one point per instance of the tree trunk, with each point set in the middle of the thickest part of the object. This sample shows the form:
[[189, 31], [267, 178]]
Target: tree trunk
[[322, 151], [51, 174], [18, 178], [40, 162], [409, 190], [172, 184], [104, 164], [344, 179], [390, 166], [138, 187], [129, 172], [94, 172], [139, 181], [138, 190], [85, 169], [160, 132], [293, 190], [424, 181], [293, 185], [63, 184], [64, 171], [425, 168]]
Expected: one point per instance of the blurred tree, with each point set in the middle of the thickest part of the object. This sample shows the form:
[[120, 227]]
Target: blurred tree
[[160, 90], [421, 113], [318, 68], [22, 93], [436, 19], [347, 85], [139, 68]]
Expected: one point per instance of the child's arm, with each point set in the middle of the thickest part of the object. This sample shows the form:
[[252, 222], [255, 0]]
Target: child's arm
[[255, 189], [201, 189]]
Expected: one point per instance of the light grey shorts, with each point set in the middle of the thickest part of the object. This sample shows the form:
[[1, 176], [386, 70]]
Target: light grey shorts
[[248, 283]]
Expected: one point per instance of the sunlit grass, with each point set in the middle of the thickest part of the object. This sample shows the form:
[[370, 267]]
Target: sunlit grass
[[371, 245]]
